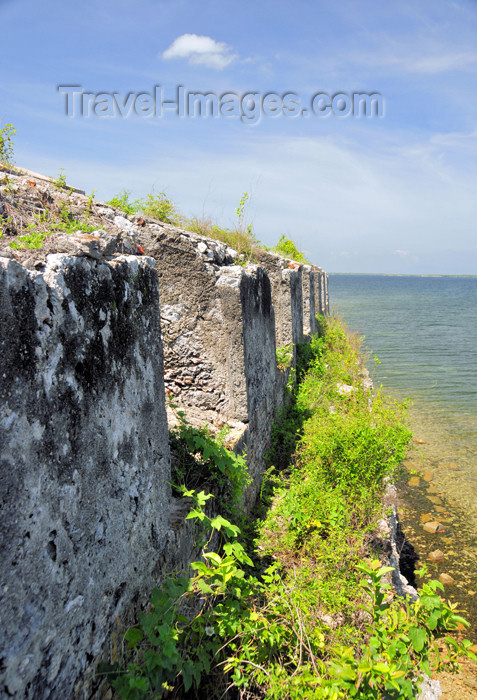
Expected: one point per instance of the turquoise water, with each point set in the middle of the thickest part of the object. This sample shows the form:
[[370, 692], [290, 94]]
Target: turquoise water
[[424, 332]]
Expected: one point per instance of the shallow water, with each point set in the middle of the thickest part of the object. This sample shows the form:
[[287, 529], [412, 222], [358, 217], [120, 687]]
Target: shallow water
[[424, 331]]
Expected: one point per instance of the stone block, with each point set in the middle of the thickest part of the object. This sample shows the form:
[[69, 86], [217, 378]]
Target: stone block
[[84, 461]]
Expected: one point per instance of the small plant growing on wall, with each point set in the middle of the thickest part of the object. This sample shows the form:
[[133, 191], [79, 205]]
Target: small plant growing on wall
[[288, 249], [159, 206], [6, 144]]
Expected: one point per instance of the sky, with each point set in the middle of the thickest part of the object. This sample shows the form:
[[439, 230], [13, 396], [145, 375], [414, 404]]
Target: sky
[[389, 193]]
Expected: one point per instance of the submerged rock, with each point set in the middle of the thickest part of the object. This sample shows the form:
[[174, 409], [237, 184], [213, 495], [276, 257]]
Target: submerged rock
[[433, 527], [436, 556]]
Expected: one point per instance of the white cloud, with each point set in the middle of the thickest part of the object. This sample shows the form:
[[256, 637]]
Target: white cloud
[[200, 50], [403, 253]]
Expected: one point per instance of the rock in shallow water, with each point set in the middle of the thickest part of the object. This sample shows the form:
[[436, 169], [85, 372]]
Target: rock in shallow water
[[433, 527], [446, 580], [436, 556]]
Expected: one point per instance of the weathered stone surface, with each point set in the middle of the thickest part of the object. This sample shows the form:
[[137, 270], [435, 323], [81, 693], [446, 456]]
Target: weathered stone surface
[[326, 294], [446, 579], [84, 461], [430, 689], [219, 335], [287, 297], [310, 324], [344, 388], [205, 317], [320, 291], [260, 368]]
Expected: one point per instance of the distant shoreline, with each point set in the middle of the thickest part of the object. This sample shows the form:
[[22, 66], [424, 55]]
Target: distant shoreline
[[393, 274]]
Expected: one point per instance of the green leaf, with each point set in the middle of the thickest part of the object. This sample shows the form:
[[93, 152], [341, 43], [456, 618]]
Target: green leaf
[[200, 566], [204, 587], [106, 668], [433, 619], [418, 637], [133, 636], [213, 556], [196, 513], [189, 672], [139, 682], [209, 451], [381, 667]]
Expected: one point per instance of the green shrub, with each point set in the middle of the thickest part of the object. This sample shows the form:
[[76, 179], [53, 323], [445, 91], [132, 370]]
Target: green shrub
[[121, 201], [202, 461], [160, 207], [288, 249], [6, 144], [284, 356]]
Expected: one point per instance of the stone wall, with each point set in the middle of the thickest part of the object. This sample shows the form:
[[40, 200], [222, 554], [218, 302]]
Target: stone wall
[[287, 297], [310, 324], [201, 308], [84, 460], [321, 291], [327, 297], [89, 354]]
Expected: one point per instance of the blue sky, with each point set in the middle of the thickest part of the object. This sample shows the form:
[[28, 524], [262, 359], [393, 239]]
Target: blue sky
[[395, 194]]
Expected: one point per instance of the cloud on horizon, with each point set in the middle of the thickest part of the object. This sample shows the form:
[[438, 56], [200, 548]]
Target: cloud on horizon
[[200, 50]]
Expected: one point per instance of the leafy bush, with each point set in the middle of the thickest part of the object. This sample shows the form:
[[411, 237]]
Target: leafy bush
[[60, 181], [121, 201], [288, 249], [160, 207], [202, 461], [6, 144], [284, 356], [254, 633]]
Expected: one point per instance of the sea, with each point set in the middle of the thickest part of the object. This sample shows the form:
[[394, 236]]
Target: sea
[[420, 341]]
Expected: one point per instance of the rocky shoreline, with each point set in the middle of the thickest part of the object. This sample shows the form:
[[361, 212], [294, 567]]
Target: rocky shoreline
[[426, 529]]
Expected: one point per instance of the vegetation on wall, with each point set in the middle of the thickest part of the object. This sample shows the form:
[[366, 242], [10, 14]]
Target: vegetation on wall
[[240, 237], [288, 249], [201, 460], [7, 132], [302, 609], [60, 220], [157, 206]]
